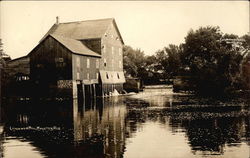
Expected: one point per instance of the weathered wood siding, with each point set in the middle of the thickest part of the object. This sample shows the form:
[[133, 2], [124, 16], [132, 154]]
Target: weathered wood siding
[[50, 61], [82, 72], [18, 66], [17, 78], [113, 58]]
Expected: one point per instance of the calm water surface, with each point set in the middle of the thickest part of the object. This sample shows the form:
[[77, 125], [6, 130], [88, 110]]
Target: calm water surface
[[153, 124]]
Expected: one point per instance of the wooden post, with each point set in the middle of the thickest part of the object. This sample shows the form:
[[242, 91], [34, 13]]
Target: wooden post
[[84, 106], [94, 90], [102, 91], [75, 112], [90, 90], [74, 86], [83, 92]]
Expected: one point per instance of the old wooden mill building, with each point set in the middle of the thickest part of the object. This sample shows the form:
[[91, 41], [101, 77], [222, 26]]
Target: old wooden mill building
[[82, 58]]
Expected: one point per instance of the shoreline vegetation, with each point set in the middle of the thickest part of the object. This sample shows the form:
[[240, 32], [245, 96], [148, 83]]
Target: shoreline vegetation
[[209, 63]]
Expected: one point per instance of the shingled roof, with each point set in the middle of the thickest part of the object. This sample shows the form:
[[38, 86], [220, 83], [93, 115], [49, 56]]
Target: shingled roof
[[75, 46], [89, 29], [70, 34]]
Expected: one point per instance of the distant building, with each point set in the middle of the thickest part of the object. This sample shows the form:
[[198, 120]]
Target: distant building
[[237, 44], [86, 57], [19, 68], [17, 77]]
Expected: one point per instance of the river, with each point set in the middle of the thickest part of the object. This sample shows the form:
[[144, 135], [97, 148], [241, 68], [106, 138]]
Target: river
[[155, 123]]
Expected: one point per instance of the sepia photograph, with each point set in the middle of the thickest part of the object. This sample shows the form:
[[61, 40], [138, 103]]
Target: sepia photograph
[[125, 79]]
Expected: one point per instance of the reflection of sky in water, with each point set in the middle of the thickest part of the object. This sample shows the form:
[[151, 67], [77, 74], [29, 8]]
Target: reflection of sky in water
[[19, 148], [154, 126], [156, 140], [153, 139]]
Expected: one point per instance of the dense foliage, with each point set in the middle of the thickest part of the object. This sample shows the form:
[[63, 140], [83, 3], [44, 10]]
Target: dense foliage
[[137, 65], [3, 75], [212, 63]]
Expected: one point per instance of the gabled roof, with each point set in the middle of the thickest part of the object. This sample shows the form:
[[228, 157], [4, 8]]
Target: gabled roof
[[70, 34], [75, 46], [89, 29]]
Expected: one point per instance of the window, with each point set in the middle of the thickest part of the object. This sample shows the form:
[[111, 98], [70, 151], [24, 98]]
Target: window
[[107, 76], [88, 63], [105, 62], [88, 76], [78, 76], [21, 78], [120, 51], [118, 76], [104, 49], [120, 64], [59, 60], [39, 65], [77, 61], [97, 63], [59, 64]]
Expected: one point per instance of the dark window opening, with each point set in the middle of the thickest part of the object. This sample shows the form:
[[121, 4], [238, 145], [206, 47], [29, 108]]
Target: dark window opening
[[59, 60], [107, 75], [22, 78], [60, 64], [39, 65]]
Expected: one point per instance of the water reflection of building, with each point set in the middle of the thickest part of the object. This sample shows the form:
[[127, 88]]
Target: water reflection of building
[[90, 129], [99, 128], [105, 121]]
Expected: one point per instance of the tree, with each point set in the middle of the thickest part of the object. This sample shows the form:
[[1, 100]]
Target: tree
[[246, 42], [169, 60], [133, 61], [3, 75], [214, 67], [136, 64], [1, 47], [245, 76]]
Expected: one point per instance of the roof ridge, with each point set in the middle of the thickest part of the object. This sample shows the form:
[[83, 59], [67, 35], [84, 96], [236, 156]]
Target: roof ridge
[[87, 20], [60, 36]]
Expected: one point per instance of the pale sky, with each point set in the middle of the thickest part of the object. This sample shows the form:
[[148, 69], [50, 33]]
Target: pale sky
[[148, 25]]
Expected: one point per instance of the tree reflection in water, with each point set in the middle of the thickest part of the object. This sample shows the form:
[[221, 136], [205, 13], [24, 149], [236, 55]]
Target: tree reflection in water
[[101, 127], [208, 127]]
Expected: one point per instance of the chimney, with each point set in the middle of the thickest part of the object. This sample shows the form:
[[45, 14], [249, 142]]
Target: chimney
[[57, 20]]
